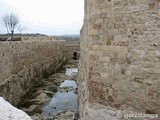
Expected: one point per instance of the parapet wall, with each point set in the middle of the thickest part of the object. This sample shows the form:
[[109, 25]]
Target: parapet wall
[[23, 63], [39, 38], [120, 58], [71, 49]]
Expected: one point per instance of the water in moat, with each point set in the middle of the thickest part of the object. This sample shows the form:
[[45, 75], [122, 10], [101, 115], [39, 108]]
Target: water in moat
[[54, 98], [64, 99]]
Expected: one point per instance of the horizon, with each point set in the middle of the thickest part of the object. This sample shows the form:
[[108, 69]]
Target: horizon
[[40, 34], [56, 17]]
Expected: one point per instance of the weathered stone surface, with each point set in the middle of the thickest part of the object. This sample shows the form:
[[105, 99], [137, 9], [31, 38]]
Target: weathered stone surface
[[23, 63], [71, 49], [120, 47], [8, 112]]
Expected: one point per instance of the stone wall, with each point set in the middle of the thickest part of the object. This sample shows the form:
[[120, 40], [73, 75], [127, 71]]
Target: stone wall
[[23, 63], [120, 58], [72, 47], [39, 38]]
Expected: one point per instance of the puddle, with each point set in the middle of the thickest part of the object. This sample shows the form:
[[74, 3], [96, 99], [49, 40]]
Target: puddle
[[64, 99], [68, 83], [61, 102]]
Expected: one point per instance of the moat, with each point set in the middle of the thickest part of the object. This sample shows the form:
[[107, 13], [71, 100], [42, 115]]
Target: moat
[[54, 97]]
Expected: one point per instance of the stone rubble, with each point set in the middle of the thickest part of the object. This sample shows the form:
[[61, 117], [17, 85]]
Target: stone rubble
[[9, 112]]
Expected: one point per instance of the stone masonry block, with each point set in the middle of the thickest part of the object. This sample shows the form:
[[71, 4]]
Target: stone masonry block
[[96, 47], [93, 32], [105, 59]]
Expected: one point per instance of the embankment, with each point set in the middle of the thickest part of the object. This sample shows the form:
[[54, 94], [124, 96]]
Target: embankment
[[24, 63]]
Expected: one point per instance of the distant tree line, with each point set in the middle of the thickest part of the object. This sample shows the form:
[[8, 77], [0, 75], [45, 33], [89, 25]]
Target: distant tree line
[[68, 37]]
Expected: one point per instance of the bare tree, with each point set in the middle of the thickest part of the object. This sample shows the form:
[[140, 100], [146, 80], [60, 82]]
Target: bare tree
[[20, 28], [10, 21]]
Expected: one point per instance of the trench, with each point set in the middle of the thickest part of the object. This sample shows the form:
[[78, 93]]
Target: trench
[[55, 96]]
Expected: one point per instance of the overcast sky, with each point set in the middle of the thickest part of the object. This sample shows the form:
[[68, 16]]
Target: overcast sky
[[52, 17]]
